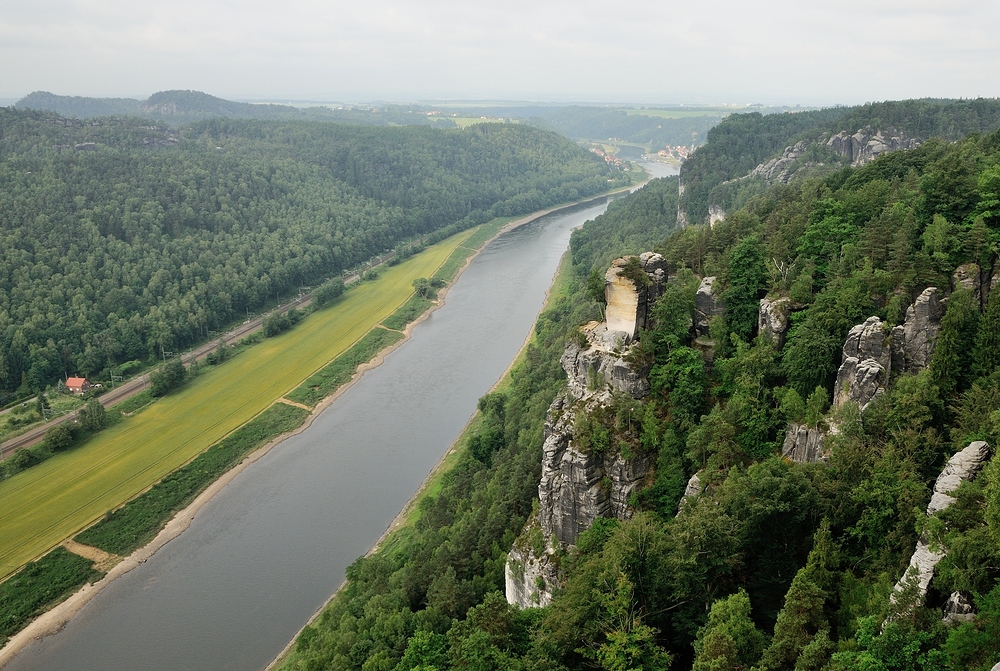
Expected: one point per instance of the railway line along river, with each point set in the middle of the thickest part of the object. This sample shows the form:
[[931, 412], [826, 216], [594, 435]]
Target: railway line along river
[[268, 550]]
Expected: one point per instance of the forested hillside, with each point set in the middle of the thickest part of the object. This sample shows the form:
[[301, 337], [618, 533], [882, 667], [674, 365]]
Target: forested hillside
[[120, 237], [774, 560], [743, 141]]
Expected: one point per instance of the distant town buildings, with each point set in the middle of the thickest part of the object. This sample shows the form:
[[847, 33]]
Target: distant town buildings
[[679, 151]]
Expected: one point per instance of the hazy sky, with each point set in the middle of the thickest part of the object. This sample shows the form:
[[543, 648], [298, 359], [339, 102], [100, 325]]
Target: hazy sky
[[772, 51]]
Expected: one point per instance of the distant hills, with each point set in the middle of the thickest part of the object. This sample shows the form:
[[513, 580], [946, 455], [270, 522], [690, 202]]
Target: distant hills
[[651, 128], [179, 107]]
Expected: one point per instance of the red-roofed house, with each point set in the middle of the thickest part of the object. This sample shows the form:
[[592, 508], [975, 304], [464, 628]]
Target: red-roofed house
[[77, 385]]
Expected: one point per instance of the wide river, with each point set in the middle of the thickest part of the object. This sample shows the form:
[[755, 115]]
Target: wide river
[[265, 553]]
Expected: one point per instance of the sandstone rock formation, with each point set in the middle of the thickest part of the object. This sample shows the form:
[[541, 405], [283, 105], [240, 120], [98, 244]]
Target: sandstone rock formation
[[715, 215], [596, 369], [957, 609], [707, 304], [779, 169], [964, 465], [529, 579], [969, 276], [870, 355], [913, 341], [867, 145], [692, 490], [803, 444], [577, 485], [772, 320], [628, 303], [865, 368]]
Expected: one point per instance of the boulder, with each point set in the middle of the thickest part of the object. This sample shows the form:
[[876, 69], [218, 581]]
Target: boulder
[[772, 320]]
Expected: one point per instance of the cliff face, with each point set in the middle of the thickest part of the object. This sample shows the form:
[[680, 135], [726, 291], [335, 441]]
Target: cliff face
[[867, 145], [578, 485]]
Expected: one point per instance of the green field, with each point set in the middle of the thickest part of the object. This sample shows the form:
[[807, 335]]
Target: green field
[[52, 501]]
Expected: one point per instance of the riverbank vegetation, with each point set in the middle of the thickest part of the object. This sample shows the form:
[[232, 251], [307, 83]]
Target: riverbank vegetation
[[122, 240], [775, 565], [41, 585]]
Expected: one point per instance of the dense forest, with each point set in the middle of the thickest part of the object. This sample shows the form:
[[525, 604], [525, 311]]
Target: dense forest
[[777, 564], [122, 237], [743, 141]]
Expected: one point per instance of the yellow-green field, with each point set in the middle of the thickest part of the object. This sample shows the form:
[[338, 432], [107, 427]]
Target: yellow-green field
[[52, 501]]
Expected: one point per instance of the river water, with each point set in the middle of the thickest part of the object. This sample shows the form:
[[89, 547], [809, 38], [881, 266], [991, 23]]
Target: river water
[[265, 553]]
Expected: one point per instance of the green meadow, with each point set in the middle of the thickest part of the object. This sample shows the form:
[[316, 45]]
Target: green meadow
[[48, 503]]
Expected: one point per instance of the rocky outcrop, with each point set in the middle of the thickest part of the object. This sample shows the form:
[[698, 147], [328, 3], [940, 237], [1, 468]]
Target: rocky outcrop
[[969, 276], [529, 576], [965, 465], [599, 369], [867, 145], [628, 302], [707, 305], [865, 368], [715, 215], [779, 169], [692, 490], [957, 609], [578, 487], [803, 444], [772, 319], [578, 483], [913, 341]]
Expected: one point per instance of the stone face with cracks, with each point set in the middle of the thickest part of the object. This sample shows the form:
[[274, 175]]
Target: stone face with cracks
[[803, 444], [913, 341]]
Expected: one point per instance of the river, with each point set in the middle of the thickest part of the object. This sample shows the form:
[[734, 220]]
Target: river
[[265, 553]]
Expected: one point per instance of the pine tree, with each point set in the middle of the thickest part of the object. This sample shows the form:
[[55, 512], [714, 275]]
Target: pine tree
[[802, 625]]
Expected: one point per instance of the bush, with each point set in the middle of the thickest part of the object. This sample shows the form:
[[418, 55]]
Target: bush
[[327, 293], [169, 377]]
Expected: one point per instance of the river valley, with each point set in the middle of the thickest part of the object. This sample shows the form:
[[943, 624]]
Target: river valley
[[265, 553]]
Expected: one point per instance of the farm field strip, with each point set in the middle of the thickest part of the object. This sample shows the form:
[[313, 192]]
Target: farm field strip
[[50, 502]]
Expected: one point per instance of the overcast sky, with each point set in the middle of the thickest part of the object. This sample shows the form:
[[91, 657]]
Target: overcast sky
[[734, 51]]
